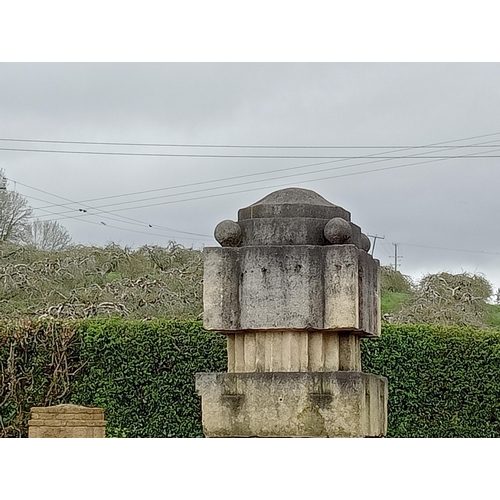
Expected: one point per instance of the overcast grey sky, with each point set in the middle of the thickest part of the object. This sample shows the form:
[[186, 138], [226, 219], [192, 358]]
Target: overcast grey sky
[[449, 203]]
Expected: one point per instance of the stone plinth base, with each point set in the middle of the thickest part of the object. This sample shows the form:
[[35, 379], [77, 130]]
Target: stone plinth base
[[66, 421], [310, 404]]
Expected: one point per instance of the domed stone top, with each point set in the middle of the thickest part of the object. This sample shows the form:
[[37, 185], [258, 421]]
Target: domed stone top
[[291, 216], [294, 196], [293, 202]]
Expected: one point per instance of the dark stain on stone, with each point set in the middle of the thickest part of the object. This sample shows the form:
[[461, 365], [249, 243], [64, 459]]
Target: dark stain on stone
[[233, 401], [321, 400]]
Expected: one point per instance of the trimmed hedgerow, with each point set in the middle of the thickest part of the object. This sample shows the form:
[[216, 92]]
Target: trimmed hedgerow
[[142, 374], [443, 381]]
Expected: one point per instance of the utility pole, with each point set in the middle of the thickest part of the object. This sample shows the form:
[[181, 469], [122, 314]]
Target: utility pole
[[375, 238], [396, 256]]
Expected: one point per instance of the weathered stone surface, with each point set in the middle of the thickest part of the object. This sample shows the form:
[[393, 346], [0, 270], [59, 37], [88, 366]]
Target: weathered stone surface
[[365, 243], [293, 202], [328, 404], [228, 233], [355, 238], [341, 295], [303, 287], [293, 351], [66, 421], [283, 231], [288, 217], [349, 352], [369, 293], [338, 231], [221, 285], [280, 287]]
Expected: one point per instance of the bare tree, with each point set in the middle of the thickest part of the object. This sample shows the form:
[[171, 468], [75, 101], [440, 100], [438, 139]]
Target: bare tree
[[47, 235], [14, 214]]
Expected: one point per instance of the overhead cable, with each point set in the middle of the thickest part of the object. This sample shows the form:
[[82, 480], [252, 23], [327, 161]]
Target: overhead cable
[[254, 182], [248, 146], [269, 187], [264, 157]]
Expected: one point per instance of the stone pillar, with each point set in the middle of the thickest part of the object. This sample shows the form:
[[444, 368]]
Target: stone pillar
[[294, 289], [66, 421]]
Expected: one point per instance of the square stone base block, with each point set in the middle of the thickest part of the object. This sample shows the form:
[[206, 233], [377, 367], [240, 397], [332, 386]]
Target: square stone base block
[[293, 404]]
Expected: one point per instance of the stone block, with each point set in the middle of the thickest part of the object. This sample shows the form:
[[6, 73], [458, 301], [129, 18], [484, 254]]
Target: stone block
[[221, 288], [66, 421], [312, 404], [281, 287], [289, 231], [301, 287]]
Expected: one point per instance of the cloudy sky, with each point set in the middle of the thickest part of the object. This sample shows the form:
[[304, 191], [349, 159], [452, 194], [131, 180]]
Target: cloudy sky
[[441, 211]]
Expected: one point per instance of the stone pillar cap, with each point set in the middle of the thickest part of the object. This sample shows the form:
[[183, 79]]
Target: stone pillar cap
[[293, 202], [292, 216]]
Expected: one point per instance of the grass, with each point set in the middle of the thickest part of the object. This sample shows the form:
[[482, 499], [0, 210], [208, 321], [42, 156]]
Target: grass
[[493, 315], [391, 302]]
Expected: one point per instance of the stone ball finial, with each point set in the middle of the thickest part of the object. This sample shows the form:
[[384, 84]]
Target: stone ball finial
[[365, 242], [228, 233], [338, 231]]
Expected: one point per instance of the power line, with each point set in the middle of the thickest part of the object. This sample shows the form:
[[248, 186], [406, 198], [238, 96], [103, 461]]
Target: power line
[[228, 178], [241, 177], [221, 187], [111, 226], [435, 248], [449, 249], [257, 189], [120, 228], [168, 188], [253, 189], [248, 146], [135, 222], [266, 157], [263, 173]]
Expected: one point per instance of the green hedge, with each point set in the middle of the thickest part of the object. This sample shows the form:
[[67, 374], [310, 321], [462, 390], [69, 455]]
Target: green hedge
[[140, 372], [443, 381]]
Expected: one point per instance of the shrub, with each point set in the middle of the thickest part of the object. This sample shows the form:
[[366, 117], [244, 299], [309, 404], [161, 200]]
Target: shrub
[[38, 361], [85, 282]]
